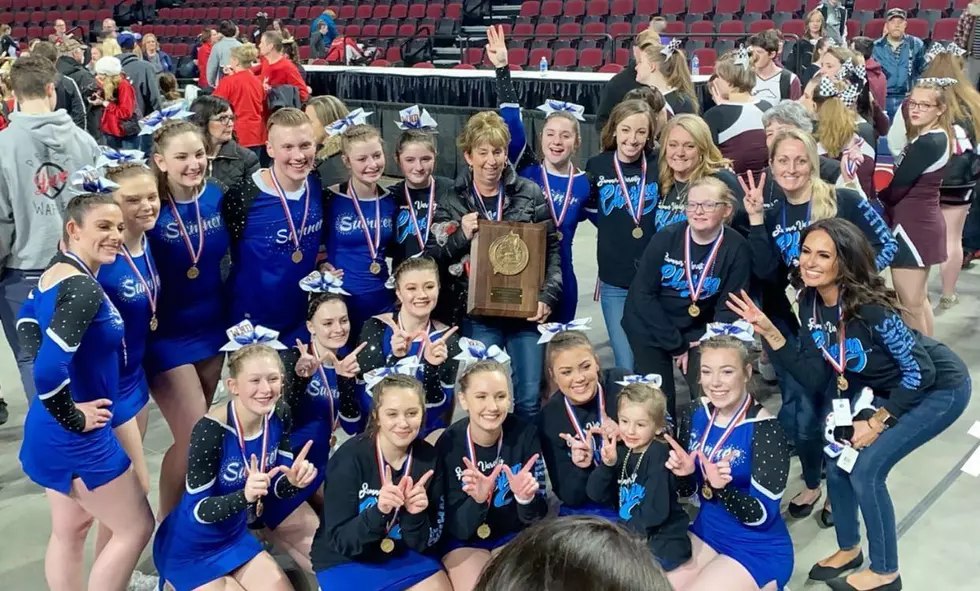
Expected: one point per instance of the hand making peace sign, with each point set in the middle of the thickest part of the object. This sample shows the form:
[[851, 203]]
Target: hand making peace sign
[[416, 497], [524, 484], [477, 484], [348, 367], [437, 351]]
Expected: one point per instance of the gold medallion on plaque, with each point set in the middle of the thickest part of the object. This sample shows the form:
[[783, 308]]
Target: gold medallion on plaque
[[509, 254]]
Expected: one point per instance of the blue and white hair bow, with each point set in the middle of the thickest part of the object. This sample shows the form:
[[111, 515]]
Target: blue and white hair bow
[[89, 179], [244, 334], [937, 49], [940, 82], [739, 329], [407, 367], [415, 117], [356, 117], [551, 329], [651, 379], [111, 158], [669, 49], [743, 57], [554, 106], [154, 120], [473, 351], [317, 282]]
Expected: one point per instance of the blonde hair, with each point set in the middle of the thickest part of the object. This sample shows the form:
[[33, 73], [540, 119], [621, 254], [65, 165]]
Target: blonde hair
[[944, 98], [723, 191], [711, 161], [483, 366], [730, 343], [328, 109], [654, 400], [127, 170], [149, 37], [110, 84], [245, 54], [236, 361], [358, 133], [110, 48], [566, 341], [486, 127], [622, 111], [673, 68], [836, 127], [964, 106], [288, 117], [806, 23], [741, 78], [841, 53], [386, 384], [823, 196]]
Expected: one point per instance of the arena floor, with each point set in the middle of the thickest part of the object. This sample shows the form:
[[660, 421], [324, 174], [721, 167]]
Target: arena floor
[[934, 502]]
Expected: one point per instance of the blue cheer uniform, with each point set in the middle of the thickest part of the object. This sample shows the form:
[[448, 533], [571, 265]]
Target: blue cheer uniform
[[264, 281], [192, 312]]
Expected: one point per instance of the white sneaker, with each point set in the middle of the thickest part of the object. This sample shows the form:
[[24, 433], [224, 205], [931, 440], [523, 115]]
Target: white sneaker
[[142, 582], [767, 372]]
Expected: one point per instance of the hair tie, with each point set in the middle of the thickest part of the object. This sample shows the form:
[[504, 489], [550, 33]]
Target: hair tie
[[156, 119], [671, 48], [111, 158], [473, 351], [89, 179], [651, 379], [743, 57], [937, 49], [739, 329], [317, 282], [356, 117], [406, 367], [415, 117], [244, 334], [551, 329], [555, 106], [940, 82]]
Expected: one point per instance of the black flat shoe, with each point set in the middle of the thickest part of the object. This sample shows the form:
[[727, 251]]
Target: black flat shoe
[[841, 584], [827, 573], [4, 415], [826, 520], [801, 511]]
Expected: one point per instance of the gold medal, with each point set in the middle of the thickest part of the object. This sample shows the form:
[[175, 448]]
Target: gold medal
[[297, 256], [693, 311], [560, 235], [387, 545], [193, 272], [375, 267], [706, 492], [637, 232], [483, 532], [154, 324], [841, 382], [259, 508]]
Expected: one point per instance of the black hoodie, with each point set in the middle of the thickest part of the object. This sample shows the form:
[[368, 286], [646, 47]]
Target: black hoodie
[[85, 80]]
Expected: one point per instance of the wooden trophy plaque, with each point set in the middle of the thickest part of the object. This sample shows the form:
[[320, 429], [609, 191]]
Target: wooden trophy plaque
[[507, 264]]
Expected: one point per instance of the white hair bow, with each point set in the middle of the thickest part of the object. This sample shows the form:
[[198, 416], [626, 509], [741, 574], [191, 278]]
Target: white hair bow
[[848, 94], [651, 379], [244, 334], [551, 329], [473, 351], [937, 49], [89, 179], [743, 57], [407, 367], [669, 49], [356, 117], [317, 282], [739, 329], [940, 82], [415, 117], [553, 106], [850, 68], [154, 120], [111, 158]]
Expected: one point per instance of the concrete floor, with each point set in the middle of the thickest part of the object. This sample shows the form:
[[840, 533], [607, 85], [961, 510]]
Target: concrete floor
[[934, 502]]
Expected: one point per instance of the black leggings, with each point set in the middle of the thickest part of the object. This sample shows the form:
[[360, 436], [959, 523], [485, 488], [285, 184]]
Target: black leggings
[[648, 359]]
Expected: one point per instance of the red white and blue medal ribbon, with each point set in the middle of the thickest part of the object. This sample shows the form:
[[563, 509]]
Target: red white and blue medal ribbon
[[374, 244], [558, 219], [407, 471], [422, 240], [839, 364], [293, 234], [152, 286], [582, 435], [636, 214], [695, 292], [241, 444], [736, 420], [195, 255]]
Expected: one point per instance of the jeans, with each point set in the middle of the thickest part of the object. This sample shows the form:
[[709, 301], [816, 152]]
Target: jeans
[[799, 415], [657, 361], [15, 285], [520, 340], [126, 143], [865, 489], [613, 301], [893, 104]]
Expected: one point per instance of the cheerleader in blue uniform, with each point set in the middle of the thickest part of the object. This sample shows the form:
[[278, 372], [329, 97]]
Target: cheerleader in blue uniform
[[575, 418], [275, 221], [732, 453], [412, 333], [183, 358], [77, 335], [495, 476], [360, 221], [421, 191], [240, 460], [386, 506], [566, 188]]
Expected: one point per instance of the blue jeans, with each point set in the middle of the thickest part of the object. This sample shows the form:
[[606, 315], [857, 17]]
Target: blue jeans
[[127, 143], [865, 489], [613, 301], [520, 340], [893, 104], [15, 285]]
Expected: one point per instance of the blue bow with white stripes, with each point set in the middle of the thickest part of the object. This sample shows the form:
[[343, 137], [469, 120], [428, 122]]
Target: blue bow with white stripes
[[739, 329], [553, 106], [88, 179], [356, 117], [112, 158], [415, 117], [551, 329], [473, 351], [407, 367], [154, 120], [245, 333], [317, 282], [651, 379]]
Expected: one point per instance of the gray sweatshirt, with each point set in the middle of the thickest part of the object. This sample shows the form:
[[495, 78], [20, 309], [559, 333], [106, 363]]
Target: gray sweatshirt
[[40, 152], [220, 57]]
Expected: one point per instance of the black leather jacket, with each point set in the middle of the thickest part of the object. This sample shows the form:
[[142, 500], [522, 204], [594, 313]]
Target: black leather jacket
[[524, 202]]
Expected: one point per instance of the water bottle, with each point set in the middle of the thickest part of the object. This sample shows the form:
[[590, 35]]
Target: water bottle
[[543, 65], [695, 66]]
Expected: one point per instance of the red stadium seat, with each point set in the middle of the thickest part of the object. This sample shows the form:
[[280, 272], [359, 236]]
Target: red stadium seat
[[464, 67], [370, 31], [379, 64], [394, 54], [574, 8], [918, 27], [546, 31], [302, 13], [352, 30], [945, 29], [623, 56], [674, 28], [530, 9], [454, 11], [523, 31], [795, 27], [706, 59], [674, 7], [939, 5], [611, 69], [534, 59], [646, 8], [590, 59], [416, 11], [616, 30], [875, 28], [433, 11], [348, 12], [388, 31], [517, 57], [792, 6], [381, 11], [700, 7], [363, 12], [759, 6], [398, 12], [731, 28], [474, 55], [760, 26], [597, 8], [726, 9], [621, 8], [570, 30], [565, 58], [702, 27], [406, 30], [423, 65], [866, 5], [906, 5], [551, 9], [853, 28]]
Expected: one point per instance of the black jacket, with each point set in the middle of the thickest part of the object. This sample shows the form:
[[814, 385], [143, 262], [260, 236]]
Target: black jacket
[[70, 98], [524, 202], [234, 164], [613, 93], [85, 80], [144, 81]]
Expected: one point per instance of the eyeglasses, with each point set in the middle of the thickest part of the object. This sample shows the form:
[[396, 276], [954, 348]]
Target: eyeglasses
[[914, 106], [707, 207], [225, 119]]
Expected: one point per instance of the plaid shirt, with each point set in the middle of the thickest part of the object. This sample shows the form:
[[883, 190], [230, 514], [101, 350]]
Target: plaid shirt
[[964, 33]]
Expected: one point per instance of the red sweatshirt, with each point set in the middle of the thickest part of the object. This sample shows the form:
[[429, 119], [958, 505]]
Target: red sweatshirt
[[282, 73], [203, 53], [122, 108], [247, 97]]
